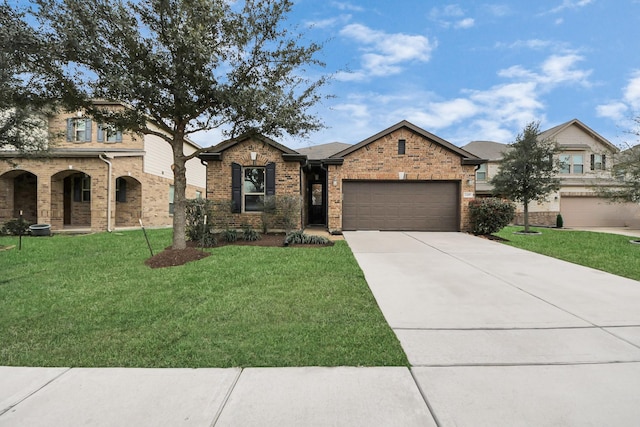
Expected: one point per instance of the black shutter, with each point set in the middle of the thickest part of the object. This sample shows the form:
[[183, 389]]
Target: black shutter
[[604, 164], [236, 188], [270, 178], [593, 162]]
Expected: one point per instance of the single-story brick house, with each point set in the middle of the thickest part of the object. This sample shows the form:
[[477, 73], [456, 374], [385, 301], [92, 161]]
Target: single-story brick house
[[94, 178], [403, 178]]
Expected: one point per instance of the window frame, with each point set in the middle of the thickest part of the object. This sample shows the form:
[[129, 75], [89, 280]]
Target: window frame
[[402, 147], [82, 189], [482, 169], [75, 133], [109, 134], [569, 166], [245, 193]]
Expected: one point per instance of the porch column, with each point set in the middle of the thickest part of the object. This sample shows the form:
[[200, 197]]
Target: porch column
[[44, 200]]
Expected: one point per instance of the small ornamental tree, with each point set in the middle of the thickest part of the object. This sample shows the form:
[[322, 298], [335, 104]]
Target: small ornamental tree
[[490, 215], [528, 169]]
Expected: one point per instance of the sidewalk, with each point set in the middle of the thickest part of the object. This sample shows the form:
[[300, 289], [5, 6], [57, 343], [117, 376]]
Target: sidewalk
[[343, 396]]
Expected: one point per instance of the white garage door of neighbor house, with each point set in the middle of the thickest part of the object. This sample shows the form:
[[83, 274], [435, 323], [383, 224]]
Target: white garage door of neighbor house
[[401, 206], [596, 212]]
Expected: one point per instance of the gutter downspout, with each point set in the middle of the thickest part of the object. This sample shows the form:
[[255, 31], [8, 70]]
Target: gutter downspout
[[110, 166]]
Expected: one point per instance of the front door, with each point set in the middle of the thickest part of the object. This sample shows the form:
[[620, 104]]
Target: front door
[[317, 203]]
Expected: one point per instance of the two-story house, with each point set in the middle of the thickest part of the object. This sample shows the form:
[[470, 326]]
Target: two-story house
[[94, 178], [586, 160]]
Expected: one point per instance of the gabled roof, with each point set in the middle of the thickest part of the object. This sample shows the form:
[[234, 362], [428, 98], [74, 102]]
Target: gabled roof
[[323, 151], [487, 149], [465, 155], [554, 131], [215, 152]]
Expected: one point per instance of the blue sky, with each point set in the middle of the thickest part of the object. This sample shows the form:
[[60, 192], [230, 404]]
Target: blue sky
[[474, 70]]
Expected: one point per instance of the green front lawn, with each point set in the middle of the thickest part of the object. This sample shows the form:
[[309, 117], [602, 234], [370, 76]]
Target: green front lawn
[[607, 252], [91, 301]]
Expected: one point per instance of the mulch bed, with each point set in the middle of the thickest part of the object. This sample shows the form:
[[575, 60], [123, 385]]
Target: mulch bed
[[173, 257]]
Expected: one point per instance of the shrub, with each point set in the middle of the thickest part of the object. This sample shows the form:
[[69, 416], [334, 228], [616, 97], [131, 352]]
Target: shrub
[[268, 214], [15, 227], [196, 229], [490, 215], [298, 237], [289, 208], [230, 235], [249, 234], [281, 211], [559, 221]]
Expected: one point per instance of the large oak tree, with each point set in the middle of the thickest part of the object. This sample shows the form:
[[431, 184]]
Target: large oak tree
[[186, 66]]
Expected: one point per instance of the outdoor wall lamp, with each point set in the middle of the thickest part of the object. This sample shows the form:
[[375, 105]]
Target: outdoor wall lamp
[[401, 175]]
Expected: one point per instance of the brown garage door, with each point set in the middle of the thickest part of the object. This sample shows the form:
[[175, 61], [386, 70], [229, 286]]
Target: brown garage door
[[398, 205], [596, 212]]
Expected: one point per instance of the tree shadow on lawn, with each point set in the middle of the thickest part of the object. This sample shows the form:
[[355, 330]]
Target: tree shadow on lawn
[[174, 257]]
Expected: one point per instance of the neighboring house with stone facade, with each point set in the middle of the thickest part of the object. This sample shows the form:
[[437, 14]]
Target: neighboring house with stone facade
[[403, 178], [94, 178], [586, 163]]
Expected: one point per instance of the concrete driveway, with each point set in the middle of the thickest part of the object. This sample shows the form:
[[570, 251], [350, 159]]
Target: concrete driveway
[[500, 336]]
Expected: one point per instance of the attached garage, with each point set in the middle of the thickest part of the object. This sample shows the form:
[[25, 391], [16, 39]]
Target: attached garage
[[596, 212], [401, 205]]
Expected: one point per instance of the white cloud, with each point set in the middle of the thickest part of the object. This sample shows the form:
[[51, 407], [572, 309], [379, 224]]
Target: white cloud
[[632, 91], [465, 23], [440, 115], [496, 113], [329, 22], [555, 70], [535, 44], [451, 16], [561, 68], [619, 110], [498, 9], [385, 54], [614, 110], [570, 4], [347, 6]]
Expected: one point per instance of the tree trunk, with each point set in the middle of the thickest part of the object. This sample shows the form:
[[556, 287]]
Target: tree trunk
[[526, 216], [179, 197]]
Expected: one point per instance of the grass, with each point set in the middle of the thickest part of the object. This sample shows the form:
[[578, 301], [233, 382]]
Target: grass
[[90, 301], [607, 252]]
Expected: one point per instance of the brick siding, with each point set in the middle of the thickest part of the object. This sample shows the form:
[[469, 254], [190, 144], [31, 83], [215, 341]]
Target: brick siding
[[219, 181], [424, 160]]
